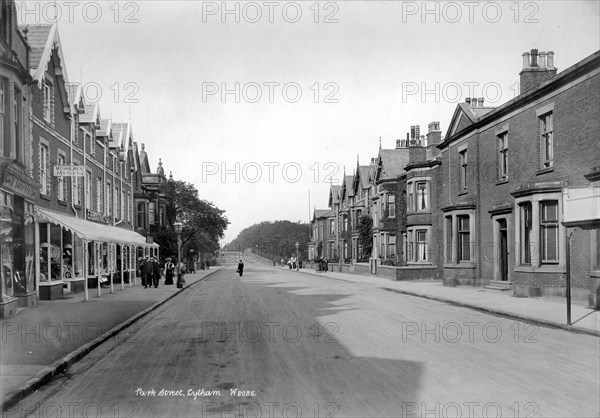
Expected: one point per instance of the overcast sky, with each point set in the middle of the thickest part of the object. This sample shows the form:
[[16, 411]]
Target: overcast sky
[[317, 83]]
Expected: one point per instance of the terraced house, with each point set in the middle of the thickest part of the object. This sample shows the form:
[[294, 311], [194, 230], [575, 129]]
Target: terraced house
[[69, 178]]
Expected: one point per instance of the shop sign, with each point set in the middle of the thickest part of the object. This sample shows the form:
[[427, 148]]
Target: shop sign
[[17, 185], [96, 217], [69, 171]]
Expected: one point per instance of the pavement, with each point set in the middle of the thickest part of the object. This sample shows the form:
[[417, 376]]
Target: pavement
[[43, 341], [550, 312], [40, 342]]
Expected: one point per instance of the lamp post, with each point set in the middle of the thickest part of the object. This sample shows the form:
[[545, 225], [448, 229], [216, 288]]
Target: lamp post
[[178, 228], [297, 258]]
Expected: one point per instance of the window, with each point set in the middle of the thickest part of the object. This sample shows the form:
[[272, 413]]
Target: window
[[124, 215], [2, 116], [422, 196], [503, 156], [108, 199], [345, 223], [449, 238], [409, 246], [546, 140], [48, 102], [549, 231], [77, 189], [464, 238], [141, 215], [129, 206], [62, 192], [44, 175], [331, 227], [391, 246], [118, 202], [151, 213], [89, 144], [88, 189], [99, 202], [526, 226], [391, 207], [421, 245], [463, 169]]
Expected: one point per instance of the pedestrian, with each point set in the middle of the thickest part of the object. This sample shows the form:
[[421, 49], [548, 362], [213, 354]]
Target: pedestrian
[[240, 268], [180, 274], [155, 272], [146, 272], [169, 269]]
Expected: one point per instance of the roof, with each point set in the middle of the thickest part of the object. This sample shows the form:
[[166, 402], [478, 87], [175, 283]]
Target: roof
[[392, 163], [121, 132], [364, 175], [321, 213], [90, 114], [105, 127], [42, 40], [334, 195], [93, 231]]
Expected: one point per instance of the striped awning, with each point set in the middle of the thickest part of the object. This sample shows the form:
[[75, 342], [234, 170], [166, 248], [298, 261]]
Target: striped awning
[[92, 231]]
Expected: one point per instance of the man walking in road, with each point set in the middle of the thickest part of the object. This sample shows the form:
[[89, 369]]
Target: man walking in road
[[240, 268], [155, 272]]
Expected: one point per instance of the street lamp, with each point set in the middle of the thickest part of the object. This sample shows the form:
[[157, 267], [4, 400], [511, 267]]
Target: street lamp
[[178, 228], [297, 258]]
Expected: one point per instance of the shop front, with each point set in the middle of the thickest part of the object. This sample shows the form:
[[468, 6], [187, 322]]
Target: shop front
[[76, 254], [17, 241]]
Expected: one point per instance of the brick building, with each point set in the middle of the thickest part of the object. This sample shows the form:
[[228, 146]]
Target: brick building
[[505, 171]]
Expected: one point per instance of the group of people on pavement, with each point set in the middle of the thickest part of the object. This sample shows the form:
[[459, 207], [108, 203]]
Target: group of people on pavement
[[151, 273]]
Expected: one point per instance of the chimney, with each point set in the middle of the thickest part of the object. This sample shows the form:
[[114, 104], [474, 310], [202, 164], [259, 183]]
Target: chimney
[[434, 134], [398, 143], [480, 102], [537, 68], [468, 101]]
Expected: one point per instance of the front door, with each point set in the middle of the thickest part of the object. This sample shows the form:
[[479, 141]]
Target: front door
[[503, 249]]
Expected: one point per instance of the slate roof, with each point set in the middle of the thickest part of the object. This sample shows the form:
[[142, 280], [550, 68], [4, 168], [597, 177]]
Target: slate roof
[[321, 213], [37, 38], [334, 194], [90, 113], [105, 127], [392, 162]]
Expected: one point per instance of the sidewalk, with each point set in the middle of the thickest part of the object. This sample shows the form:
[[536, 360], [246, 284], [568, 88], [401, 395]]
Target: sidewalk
[[41, 341], [551, 312]]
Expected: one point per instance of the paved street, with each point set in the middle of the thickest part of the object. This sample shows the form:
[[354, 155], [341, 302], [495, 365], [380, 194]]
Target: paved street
[[279, 343]]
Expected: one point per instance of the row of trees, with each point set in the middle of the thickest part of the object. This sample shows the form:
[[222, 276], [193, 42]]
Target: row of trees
[[273, 239], [204, 224]]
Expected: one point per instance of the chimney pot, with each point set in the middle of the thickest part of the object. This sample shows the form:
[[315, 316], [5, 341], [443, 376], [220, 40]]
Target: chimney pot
[[480, 102], [468, 100], [526, 57], [550, 59], [534, 53], [542, 59]]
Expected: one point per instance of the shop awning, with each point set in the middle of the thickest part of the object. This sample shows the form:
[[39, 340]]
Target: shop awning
[[92, 231]]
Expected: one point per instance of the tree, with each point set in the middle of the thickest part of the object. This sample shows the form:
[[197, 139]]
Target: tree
[[365, 237], [277, 238], [203, 223]]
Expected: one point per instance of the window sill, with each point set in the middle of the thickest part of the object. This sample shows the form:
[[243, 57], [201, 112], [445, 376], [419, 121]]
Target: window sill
[[546, 268], [502, 181], [461, 265], [45, 196], [62, 202], [544, 171], [463, 192]]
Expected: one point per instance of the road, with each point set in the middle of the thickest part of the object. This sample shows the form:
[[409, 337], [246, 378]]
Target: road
[[281, 343]]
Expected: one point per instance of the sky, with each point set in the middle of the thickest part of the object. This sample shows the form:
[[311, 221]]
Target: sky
[[262, 105]]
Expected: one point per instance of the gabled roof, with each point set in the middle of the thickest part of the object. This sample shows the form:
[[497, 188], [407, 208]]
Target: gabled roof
[[105, 127], [144, 164], [91, 114], [43, 39], [391, 163], [363, 177], [75, 97], [334, 195], [320, 214], [464, 116], [121, 135], [347, 189]]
